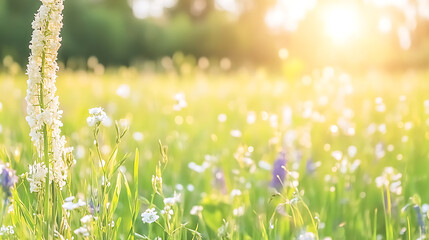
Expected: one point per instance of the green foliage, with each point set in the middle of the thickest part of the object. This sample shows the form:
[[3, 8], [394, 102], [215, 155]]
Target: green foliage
[[330, 200]]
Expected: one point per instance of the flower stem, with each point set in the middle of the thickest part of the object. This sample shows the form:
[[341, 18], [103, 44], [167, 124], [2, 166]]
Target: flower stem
[[45, 150], [46, 200]]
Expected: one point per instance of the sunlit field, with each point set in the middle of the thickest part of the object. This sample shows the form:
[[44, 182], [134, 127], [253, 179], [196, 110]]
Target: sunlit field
[[355, 151], [214, 119]]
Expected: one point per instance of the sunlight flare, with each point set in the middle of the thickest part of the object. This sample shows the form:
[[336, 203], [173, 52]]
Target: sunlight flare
[[341, 23]]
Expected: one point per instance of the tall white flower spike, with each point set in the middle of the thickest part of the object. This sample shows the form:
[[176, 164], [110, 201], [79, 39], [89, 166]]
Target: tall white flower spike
[[44, 116]]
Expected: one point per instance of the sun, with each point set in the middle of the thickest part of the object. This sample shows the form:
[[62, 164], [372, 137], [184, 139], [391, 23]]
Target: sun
[[341, 22]]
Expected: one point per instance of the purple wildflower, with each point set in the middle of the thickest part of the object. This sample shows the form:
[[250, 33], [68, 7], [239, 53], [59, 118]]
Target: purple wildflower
[[310, 166], [420, 219], [279, 171], [92, 207], [8, 178], [219, 180]]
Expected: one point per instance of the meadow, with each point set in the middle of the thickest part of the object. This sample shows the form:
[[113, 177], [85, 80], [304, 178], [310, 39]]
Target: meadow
[[230, 154]]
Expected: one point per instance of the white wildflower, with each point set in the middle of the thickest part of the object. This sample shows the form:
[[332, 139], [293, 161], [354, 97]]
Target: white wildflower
[[167, 211], [355, 165], [81, 203], [223, 230], [44, 116], [222, 117], [173, 200], [238, 211], [69, 199], [97, 116], [422, 237], [196, 210], [235, 133], [307, 236], [287, 116], [352, 150], [105, 181], [149, 216], [86, 219], [274, 120], [379, 150], [37, 176], [426, 103], [190, 187], [210, 158], [138, 136], [425, 208], [235, 192], [391, 179], [180, 101], [264, 165], [11, 208], [179, 187], [124, 122], [111, 224], [337, 155], [69, 205], [6, 230], [169, 201], [198, 168], [251, 117], [82, 231], [123, 91]]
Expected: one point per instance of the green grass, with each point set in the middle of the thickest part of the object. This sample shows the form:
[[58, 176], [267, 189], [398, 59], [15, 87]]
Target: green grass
[[334, 200]]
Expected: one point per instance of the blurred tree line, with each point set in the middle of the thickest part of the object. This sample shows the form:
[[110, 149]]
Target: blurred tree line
[[109, 30]]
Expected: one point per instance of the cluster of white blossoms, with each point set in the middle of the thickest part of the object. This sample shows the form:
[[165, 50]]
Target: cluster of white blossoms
[[172, 200], [6, 230], [149, 216], [37, 176], [86, 219], [97, 116], [84, 230], [43, 111], [390, 178], [70, 205], [169, 203], [222, 232], [196, 210], [307, 236], [180, 101], [167, 211]]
